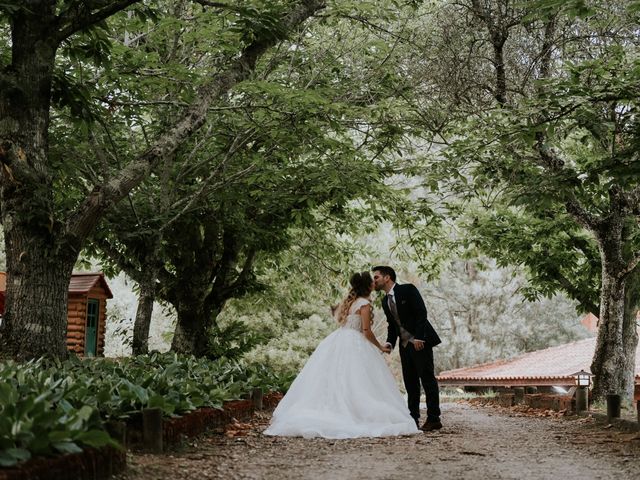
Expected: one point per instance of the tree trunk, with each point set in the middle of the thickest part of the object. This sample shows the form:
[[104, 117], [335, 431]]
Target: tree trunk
[[146, 297], [39, 259], [192, 332], [630, 330], [609, 363], [190, 336], [497, 42], [614, 359], [35, 320], [629, 346], [498, 33]]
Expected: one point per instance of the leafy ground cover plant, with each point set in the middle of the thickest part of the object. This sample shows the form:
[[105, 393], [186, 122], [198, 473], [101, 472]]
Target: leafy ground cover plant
[[49, 407]]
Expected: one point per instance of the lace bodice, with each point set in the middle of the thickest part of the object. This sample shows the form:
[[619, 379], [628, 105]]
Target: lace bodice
[[354, 320]]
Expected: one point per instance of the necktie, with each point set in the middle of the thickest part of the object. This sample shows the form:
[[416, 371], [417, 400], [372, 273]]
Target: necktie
[[393, 307], [405, 337]]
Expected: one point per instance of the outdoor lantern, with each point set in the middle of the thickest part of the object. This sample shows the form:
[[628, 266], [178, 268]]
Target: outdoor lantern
[[583, 379]]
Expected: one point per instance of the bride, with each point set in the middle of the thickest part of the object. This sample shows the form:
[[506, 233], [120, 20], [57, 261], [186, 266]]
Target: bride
[[345, 389]]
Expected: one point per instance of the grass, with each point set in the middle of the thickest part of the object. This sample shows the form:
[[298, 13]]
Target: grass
[[454, 394]]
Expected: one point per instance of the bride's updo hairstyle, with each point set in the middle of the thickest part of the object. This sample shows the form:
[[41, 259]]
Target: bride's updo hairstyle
[[360, 287]]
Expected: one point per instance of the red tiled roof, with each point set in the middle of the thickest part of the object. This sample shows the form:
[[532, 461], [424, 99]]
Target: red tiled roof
[[551, 366], [83, 282]]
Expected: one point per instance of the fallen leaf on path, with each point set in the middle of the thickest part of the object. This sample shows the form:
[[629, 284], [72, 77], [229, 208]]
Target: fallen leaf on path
[[630, 437], [236, 428]]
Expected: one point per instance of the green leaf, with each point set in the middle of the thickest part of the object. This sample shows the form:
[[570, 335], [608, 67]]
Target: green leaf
[[158, 401], [11, 456], [7, 460], [67, 447], [95, 438], [59, 436]]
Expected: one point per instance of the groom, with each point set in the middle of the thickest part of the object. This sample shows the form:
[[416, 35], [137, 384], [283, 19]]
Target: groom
[[407, 319]]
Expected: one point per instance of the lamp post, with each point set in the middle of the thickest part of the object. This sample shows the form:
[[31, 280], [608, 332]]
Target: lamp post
[[583, 381]]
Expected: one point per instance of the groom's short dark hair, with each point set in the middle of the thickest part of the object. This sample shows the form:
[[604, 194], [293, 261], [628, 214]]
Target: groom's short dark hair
[[385, 270]]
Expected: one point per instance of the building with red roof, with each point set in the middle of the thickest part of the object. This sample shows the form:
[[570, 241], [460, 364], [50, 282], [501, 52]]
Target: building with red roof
[[543, 368]]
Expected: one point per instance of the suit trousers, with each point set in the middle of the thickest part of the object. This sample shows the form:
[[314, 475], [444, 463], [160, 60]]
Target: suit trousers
[[417, 366]]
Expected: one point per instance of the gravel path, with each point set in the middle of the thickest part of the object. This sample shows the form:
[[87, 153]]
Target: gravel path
[[475, 442]]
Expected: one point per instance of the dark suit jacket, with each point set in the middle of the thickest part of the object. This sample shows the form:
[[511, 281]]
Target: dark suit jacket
[[413, 316]]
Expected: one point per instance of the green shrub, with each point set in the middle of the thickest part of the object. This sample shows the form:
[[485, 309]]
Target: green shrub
[[37, 419], [58, 407]]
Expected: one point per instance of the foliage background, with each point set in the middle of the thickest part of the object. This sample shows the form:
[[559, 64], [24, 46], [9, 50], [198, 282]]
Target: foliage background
[[479, 309]]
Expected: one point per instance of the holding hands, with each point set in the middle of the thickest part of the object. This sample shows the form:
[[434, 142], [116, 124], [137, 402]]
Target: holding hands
[[417, 344]]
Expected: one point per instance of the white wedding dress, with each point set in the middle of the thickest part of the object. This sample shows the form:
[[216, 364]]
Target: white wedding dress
[[345, 390]]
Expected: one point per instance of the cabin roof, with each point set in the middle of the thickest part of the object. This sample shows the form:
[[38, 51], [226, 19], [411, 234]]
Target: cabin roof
[[551, 366], [84, 282], [80, 283]]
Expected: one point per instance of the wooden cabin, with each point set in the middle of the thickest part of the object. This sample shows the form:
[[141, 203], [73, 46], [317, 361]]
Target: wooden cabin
[[87, 312]]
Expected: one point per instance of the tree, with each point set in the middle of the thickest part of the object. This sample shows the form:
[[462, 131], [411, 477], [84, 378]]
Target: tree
[[180, 240], [43, 241], [559, 154]]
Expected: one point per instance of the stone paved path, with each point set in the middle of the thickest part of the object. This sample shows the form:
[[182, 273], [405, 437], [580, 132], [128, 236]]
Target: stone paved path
[[476, 442]]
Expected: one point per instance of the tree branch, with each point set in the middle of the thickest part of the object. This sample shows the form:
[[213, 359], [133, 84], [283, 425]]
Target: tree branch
[[498, 34], [120, 259], [244, 274], [547, 48], [14, 168], [86, 14], [576, 293], [102, 197], [481, 13], [633, 199], [631, 266], [373, 26], [219, 5], [555, 165], [584, 218], [221, 292], [206, 188]]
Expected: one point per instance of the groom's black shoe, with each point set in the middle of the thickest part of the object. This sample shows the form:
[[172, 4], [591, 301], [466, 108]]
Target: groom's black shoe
[[429, 426]]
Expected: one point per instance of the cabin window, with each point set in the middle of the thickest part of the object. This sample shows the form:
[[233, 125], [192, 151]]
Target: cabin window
[[91, 331]]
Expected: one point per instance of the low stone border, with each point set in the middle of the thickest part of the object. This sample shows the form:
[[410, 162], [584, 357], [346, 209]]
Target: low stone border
[[189, 424], [199, 421], [542, 401], [549, 401], [271, 400], [90, 464]]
